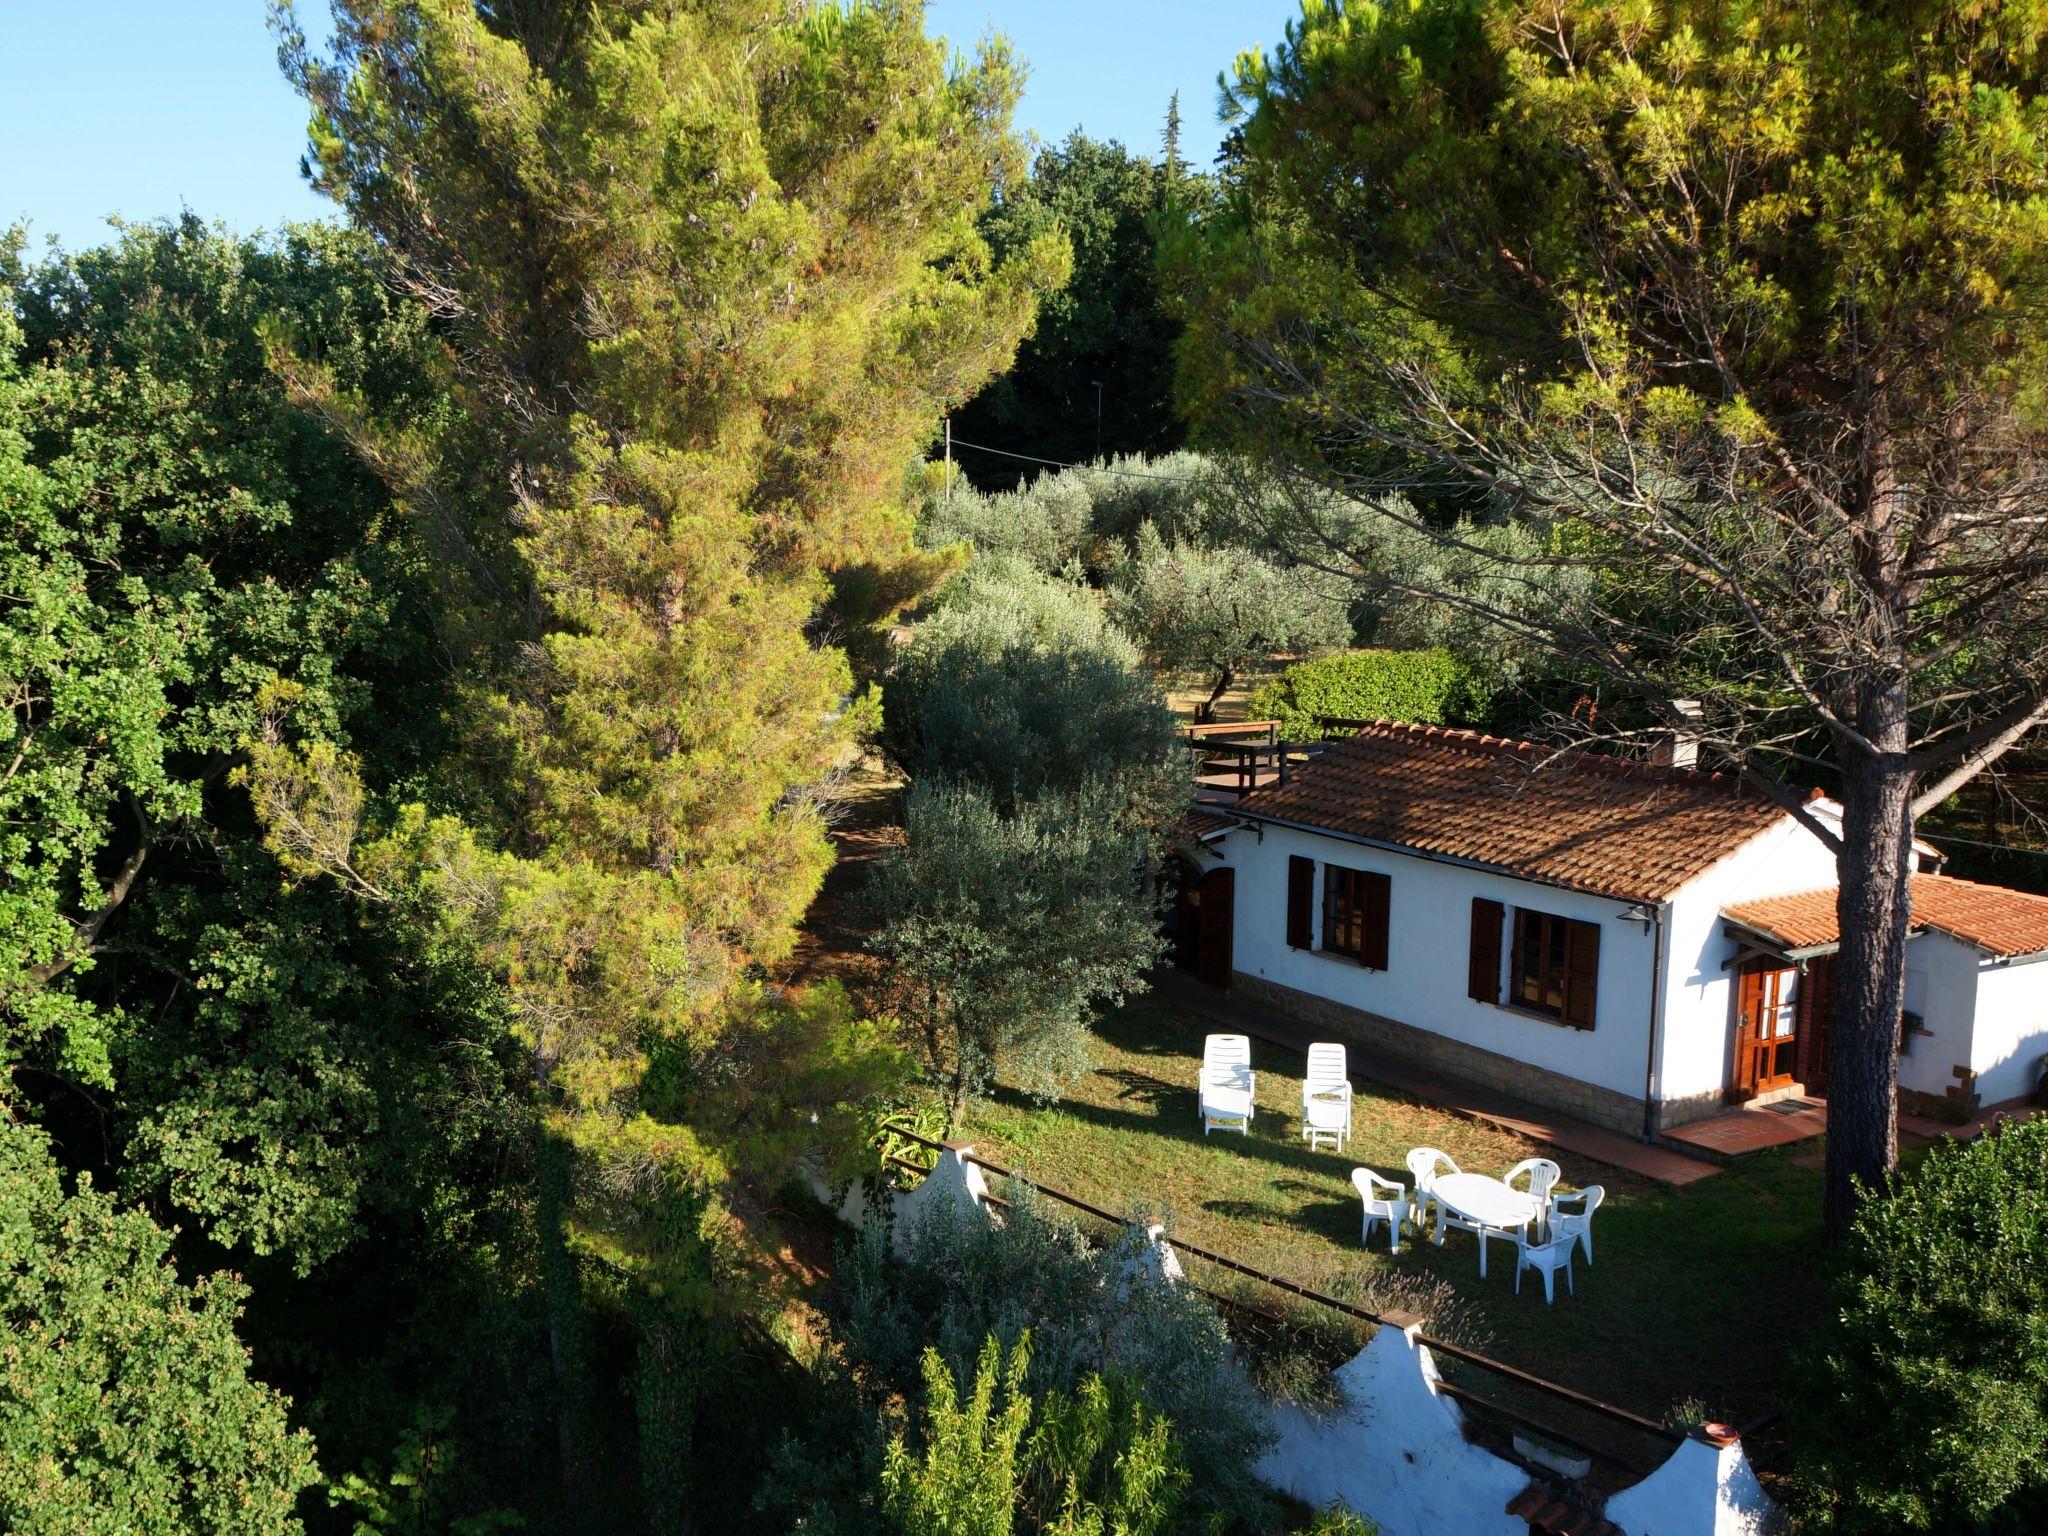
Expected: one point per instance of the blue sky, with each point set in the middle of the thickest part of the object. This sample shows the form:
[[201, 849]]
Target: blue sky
[[140, 107]]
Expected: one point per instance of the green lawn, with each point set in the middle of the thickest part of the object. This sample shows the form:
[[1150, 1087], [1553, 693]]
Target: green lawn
[[1697, 1293]]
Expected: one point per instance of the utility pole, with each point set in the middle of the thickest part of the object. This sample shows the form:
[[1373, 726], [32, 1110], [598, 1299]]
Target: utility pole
[[1098, 416], [949, 461]]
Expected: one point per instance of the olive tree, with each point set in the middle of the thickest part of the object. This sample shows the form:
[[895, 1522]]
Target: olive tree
[[1003, 932], [1209, 611]]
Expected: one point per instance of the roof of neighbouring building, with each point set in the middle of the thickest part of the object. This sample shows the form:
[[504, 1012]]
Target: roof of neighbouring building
[[1578, 819], [1998, 921]]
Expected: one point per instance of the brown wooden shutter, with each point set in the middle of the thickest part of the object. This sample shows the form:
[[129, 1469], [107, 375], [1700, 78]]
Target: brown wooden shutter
[[1378, 894], [1581, 972], [1483, 981], [1301, 902]]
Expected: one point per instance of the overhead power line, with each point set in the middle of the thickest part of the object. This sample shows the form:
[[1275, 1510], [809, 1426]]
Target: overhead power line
[[1093, 469], [1938, 838]]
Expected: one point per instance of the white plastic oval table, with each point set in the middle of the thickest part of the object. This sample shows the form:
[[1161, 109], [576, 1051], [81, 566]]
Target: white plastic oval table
[[1484, 1203]]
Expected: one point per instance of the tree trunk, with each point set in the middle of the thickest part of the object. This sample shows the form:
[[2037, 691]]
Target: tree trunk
[[568, 1324], [1207, 710], [1873, 907], [665, 1397]]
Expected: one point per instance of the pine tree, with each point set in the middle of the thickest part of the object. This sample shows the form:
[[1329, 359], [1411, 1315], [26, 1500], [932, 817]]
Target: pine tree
[[709, 273]]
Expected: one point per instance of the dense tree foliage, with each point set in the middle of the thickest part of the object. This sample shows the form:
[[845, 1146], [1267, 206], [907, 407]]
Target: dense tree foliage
[[125, 1398], [708, 274], [1738, 310], [1942, 1330], [1095, 379], [322, 1101]]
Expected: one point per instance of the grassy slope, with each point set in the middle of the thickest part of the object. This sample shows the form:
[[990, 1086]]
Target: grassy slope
[[1696, 1293]]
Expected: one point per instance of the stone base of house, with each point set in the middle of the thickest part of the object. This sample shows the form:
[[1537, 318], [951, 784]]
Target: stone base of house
[[1672, 1113], [1955, 1104], [1469, 1063]]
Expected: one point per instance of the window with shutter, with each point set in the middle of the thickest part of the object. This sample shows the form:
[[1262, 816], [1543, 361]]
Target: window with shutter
[[1301, 900], [1581, 972], [1556, 966], [1483, 979], [1355, 910]]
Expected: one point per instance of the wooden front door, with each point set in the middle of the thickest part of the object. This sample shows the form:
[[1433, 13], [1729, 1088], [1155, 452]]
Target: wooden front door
[[1766, 1028], [1214, 919]]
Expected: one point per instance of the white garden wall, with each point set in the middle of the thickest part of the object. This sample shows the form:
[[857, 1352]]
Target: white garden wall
[[1394, 1449], [2012, 1028]]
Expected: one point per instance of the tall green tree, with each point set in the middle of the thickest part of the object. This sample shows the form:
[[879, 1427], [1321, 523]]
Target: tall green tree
[[1738, 308], [319, 1102], [126, 1402], [709, 273], [1095, 379]]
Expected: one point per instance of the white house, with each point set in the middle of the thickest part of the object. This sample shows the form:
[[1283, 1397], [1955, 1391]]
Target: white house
[[1638, 946]]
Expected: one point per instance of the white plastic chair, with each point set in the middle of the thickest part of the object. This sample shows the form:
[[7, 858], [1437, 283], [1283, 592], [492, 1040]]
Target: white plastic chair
[[1384, 1201], [1568, 1226], [1425, 1163], [1547, 1258], [1226, 1087], [1543, 1175], [1326, 1097]]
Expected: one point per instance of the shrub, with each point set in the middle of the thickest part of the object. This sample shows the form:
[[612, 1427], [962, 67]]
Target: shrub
[[995, 1461], [1020, 685], [1925, 1406], [1431, 687], [125, 1397], [964, 1279]]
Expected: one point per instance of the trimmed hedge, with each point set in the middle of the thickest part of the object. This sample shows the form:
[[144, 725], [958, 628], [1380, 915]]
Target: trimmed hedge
[[1430, 687]]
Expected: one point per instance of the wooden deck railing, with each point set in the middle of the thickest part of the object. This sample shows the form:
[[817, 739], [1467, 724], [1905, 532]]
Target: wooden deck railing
[[1241, 767]]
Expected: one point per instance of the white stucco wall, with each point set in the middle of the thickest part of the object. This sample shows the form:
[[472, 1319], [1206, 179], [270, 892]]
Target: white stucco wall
[[1428, 937], [1941, 986], [1697, 1046], [2011, 1035], [1994, 1017]]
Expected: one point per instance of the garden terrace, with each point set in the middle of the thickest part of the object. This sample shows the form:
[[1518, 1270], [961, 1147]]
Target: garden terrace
[[1668, 1316]]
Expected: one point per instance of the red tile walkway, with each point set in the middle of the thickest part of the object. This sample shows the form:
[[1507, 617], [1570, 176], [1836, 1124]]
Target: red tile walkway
[[1742, 1131], [1542, 1125], [1746, 1130]]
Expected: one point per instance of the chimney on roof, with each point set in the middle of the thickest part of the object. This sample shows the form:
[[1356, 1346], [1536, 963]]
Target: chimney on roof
[[1680, 748]]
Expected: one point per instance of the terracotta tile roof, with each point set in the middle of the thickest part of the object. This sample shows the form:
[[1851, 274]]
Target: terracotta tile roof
[[1571, 818], [1996, 920], [1202, 825]]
